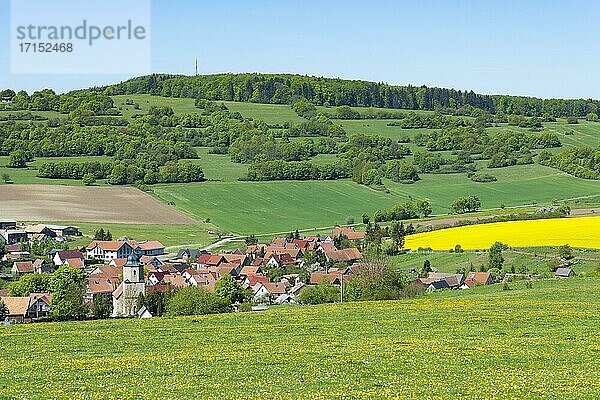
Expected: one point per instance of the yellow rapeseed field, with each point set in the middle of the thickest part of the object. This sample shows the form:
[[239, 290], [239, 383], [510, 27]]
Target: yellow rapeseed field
[[583, 232]]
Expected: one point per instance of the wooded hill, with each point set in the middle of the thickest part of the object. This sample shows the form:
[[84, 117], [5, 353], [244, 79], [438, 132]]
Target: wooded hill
[[286, 88]]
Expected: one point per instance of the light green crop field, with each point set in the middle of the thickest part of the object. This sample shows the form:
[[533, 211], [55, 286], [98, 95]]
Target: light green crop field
[[145, 101], [535, 259], [270, 113], [538, 343], [266, 207], [219, 167], [517, 185], [195, 236]]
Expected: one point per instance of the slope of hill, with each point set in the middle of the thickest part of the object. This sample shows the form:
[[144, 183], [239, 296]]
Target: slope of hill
[[488, 343]]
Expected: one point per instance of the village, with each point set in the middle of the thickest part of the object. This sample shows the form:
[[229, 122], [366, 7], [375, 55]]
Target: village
[[118, 272]]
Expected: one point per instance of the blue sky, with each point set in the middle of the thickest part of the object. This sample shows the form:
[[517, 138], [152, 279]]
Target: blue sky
[[538, 48]]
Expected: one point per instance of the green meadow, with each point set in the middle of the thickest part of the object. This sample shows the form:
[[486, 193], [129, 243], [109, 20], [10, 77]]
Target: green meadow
[[534, 259], [265, 207], [537, 343]]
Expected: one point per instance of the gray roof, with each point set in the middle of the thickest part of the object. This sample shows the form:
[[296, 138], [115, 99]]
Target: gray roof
[[564, 272]]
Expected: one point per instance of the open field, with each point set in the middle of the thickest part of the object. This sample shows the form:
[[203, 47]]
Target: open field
[[270, 113], [535, 259], [170, 235], [91, 204], [539, 343], [265, 207], [28, 175], [581, 232]]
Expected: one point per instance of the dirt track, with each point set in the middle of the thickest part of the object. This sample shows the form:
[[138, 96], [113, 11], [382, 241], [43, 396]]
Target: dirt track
[[85, 204]]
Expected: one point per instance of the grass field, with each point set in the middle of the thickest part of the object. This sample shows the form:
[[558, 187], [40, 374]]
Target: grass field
[[533, 258], [263, 207], [193, 235], [583, 232], [28, 175], [266, 207], [538, 343]]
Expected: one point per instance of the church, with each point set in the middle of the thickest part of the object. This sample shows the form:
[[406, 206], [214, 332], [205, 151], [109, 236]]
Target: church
[[126, 294]]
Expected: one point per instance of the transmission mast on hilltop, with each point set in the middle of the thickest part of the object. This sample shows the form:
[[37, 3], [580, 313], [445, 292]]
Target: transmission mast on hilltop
[[196, 67]]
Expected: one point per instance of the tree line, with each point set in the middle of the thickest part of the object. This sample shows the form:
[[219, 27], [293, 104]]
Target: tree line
[[287, 88]]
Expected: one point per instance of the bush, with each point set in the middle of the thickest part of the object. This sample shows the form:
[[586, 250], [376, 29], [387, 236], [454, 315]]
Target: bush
[[322, 293], [196, 301], [483, 178]]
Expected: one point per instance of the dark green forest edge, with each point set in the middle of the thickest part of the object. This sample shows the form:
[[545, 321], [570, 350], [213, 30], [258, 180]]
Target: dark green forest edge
[[151, 148]]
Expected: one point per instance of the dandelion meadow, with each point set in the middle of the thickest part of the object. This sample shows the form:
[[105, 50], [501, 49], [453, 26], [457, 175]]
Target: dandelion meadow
[[583, 232], [538, 343]]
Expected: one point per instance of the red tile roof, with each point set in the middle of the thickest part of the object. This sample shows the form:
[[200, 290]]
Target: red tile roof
[[345, 255], [349, 232], [24, 267]]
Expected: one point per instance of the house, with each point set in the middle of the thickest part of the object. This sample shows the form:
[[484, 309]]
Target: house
[[7, 224], [61, 257], [76, 263], [210, 260], [186, 255], [39, 231], [151, 248], [436, 285], [564, 273], [20, 268], [278, 260], [478, 278], [334, 277], [25, 309], [268, 292], [109, 250], [297, 289], [151, 260], [284, 298], [250, 270], [42, 267], [453, 280], [64, 231], [347, 231], [175, 281], [100, 286], [251, 280], [144, 313], [344, 256], [13, 236], [155, 278]]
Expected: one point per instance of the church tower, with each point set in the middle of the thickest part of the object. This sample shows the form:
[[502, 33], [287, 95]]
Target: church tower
[[125, 297]]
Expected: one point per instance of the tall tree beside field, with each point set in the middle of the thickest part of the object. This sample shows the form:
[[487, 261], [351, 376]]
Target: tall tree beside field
[[424, 208], [466, 204], [3, 310], [68, 287], [231, 291], [17, 159], [495, 258], [30, 283]]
